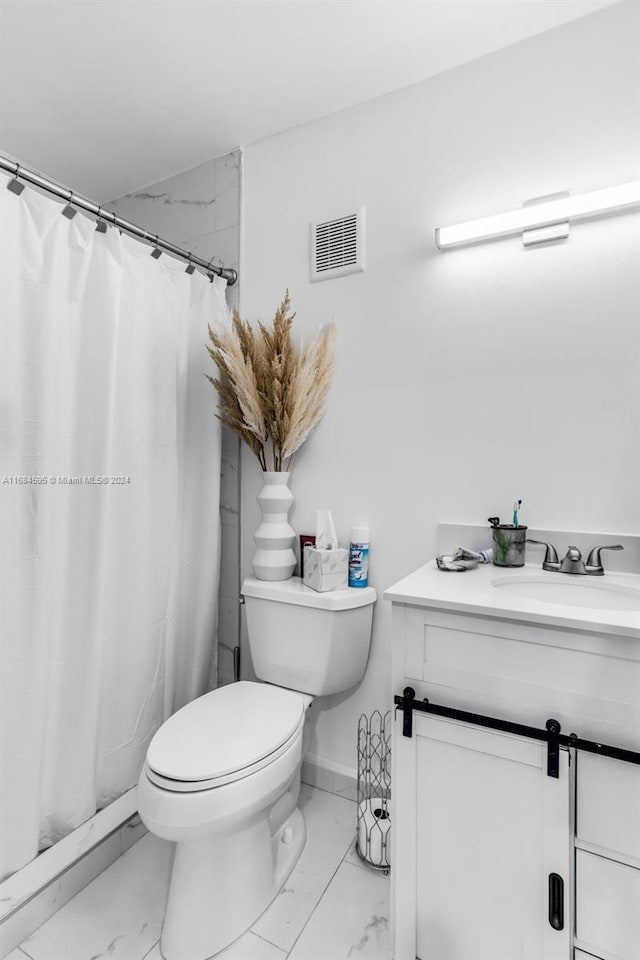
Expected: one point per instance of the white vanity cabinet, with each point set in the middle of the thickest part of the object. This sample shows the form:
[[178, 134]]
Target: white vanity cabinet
[[493, 859]]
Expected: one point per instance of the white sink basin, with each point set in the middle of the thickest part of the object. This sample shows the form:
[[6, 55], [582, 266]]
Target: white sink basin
[[573, 591]]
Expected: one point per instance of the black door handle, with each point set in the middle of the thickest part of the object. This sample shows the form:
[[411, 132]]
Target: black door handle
[[556, 901]]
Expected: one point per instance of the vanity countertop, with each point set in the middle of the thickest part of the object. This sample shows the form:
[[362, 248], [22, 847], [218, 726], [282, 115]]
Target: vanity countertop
[[492, 591]]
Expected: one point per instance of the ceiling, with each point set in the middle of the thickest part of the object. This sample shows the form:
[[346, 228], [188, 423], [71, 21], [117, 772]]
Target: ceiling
[[107, 96]]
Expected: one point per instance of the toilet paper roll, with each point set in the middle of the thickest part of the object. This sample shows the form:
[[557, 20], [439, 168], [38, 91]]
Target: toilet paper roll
[[374, 824]]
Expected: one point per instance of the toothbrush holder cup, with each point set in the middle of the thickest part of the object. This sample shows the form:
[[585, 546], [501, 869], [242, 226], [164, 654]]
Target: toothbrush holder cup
[[509, 545]]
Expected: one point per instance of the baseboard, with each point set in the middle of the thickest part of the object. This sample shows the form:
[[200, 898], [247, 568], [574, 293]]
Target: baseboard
[[327, 775]]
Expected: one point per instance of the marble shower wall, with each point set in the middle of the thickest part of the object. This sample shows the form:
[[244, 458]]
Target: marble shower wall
[[199, 210]]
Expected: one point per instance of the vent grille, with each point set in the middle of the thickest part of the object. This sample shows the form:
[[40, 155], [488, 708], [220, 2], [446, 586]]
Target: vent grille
[[337, 246], [336, 243]]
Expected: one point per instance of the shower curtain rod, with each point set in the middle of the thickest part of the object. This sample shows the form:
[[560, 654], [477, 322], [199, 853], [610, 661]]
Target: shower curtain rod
[[75, 200]]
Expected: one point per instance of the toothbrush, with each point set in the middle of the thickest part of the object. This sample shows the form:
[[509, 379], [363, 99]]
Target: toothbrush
[[516, 507]]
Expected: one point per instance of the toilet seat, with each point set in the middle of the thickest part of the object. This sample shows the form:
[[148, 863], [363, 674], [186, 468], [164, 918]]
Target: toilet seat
[[225, 735], [197, 786]]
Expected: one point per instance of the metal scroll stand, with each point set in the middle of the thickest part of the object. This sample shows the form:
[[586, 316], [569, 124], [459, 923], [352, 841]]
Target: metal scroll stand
[[373, 838]]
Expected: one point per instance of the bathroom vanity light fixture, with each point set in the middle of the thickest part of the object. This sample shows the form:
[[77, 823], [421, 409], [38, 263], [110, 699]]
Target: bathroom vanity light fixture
[[546, 217]]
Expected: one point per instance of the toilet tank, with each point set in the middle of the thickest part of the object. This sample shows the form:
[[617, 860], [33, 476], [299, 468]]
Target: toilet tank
[[313, 642]]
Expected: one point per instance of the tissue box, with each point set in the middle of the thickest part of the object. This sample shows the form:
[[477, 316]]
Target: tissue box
[[326, 569]]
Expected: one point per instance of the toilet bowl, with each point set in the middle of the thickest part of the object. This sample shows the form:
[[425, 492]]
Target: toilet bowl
[[222, 776], [221, 780]]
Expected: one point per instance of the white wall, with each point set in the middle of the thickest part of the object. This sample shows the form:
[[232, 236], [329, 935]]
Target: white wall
[[468, 378]]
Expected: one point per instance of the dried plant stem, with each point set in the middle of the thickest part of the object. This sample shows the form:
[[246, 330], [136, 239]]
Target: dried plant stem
[[270, 391]]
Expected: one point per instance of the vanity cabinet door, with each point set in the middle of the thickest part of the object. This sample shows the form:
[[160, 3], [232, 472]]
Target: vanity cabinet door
[[490, 828]]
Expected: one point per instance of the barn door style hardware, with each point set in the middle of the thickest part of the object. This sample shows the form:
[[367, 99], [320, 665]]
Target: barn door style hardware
[[551, 735]]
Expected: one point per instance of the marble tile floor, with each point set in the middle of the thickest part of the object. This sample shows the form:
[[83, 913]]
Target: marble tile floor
[[333, 907]]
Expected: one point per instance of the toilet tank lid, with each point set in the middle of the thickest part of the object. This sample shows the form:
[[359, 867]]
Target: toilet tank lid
[[294, 591]]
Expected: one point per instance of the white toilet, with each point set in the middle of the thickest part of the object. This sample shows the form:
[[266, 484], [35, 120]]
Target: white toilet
[[222, 775]]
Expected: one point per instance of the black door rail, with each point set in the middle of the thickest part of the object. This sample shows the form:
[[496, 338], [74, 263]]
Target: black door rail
[[551, 735]]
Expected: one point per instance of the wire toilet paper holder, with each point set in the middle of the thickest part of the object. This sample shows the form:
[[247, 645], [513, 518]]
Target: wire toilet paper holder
[[373, 833]]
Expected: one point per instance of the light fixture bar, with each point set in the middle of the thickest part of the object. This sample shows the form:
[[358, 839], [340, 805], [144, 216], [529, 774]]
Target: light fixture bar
[[581, 207]]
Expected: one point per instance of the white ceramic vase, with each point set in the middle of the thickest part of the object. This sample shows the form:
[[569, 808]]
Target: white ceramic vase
[[274, 559]]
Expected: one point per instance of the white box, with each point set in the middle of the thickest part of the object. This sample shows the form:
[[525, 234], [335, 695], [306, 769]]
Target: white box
[[326, 569]]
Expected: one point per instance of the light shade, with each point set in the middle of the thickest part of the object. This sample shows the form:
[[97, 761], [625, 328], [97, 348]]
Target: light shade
[[581, 207]]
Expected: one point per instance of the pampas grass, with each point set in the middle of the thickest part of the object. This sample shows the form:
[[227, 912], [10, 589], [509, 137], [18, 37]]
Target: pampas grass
[[272, 393]]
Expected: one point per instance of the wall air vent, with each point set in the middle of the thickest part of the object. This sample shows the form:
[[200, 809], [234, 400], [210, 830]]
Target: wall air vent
[[337, 246]]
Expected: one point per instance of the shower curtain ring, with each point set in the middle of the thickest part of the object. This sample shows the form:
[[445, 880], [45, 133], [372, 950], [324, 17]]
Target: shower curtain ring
[[156, 253], [101, 226], [191, 267], [16, 186], [69, 211]]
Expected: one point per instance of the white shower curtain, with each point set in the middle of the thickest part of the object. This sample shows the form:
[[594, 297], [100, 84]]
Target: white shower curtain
[[108, 588]]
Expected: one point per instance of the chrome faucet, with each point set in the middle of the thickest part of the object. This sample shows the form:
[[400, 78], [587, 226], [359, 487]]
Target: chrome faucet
[[573, 562]]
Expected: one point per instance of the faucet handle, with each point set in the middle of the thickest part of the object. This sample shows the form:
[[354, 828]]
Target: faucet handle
[[594, 561], [551, 561]]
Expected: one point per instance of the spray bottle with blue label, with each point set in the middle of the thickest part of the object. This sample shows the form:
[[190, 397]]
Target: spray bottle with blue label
[[359, 557]]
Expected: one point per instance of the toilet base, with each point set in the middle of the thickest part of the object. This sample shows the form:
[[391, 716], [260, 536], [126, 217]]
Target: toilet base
[[220, 885]]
